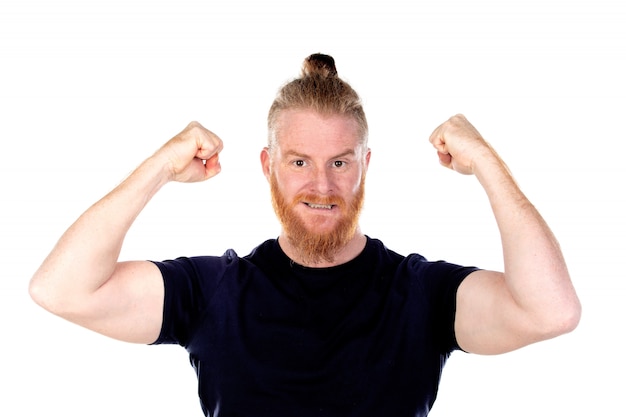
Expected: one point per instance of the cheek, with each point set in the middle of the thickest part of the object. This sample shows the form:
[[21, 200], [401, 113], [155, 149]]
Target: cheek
[[356, 183], [288, 184]]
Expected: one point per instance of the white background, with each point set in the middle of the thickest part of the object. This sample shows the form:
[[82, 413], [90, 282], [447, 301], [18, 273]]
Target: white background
[[88, 89]]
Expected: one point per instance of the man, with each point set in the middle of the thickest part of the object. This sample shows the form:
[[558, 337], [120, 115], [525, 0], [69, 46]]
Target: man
[[324, 320]]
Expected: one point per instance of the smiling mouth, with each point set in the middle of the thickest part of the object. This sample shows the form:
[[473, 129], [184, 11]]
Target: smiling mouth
[[320, 206]]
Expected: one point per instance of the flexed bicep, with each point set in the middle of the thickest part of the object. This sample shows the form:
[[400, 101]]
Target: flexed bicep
[[128, 307]]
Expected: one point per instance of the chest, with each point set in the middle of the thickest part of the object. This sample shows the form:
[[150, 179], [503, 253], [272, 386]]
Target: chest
[[347, 347]]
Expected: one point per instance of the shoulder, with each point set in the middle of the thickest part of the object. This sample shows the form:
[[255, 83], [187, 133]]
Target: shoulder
[[208, 271], [416, 268], [376, 250], [196, 266]]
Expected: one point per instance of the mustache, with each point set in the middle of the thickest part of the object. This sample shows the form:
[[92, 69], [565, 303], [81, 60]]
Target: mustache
[[318, 199]]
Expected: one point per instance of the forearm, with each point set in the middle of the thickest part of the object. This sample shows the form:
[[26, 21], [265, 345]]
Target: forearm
[[535, 271], [86, 256]]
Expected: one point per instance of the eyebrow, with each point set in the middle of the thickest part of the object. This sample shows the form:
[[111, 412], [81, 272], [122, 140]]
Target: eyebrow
[[349, 152]]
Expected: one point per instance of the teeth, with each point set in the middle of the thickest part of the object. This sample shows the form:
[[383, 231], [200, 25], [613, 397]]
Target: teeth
[[320, 206]]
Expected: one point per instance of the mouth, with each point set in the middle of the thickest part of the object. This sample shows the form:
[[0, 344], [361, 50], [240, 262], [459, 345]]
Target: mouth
[[320, 206]]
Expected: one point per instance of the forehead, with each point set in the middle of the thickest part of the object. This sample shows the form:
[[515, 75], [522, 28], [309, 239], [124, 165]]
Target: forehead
[[307, 131]]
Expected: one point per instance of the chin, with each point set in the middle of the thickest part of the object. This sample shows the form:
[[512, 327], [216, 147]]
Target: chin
[[320, 225]]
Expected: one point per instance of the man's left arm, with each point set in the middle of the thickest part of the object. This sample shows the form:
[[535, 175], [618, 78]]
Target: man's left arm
[[533, 299]]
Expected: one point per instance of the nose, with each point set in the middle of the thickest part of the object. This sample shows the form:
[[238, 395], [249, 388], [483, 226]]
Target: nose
[[322, 182]]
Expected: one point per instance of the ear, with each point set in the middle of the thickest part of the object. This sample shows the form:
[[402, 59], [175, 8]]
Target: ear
[[265, 162], [368, 154]]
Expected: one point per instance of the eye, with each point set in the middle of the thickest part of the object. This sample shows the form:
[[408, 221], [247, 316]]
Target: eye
[[339, 164], [299, 163]]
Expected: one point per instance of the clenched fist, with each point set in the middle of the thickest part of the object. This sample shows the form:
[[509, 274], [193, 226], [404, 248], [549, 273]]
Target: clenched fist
[[193, 154], [459, 145]]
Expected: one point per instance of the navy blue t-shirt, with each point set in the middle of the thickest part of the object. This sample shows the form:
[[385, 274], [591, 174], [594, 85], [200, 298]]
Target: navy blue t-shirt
[[270, 338]]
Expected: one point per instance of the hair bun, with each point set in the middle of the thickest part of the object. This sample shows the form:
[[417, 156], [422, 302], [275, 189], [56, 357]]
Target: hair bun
[[319, 64]]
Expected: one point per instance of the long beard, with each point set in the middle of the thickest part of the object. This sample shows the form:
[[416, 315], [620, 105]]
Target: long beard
[[314, 246]]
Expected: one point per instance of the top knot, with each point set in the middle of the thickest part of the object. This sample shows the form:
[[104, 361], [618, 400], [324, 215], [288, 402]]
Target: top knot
[[319, 89], [319, 64]]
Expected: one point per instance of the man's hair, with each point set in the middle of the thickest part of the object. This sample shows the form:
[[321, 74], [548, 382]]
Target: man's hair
[[319, 88]]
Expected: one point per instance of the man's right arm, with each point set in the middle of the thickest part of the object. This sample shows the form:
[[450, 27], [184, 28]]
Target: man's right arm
[[82, 280]]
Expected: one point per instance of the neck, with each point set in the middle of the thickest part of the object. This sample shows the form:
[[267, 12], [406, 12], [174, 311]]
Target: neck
[[349, 251]]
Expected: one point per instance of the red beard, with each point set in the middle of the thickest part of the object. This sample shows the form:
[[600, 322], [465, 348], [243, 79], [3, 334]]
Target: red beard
[[313, 246]]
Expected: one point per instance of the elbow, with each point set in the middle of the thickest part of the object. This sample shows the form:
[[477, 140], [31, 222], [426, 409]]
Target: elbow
[[564, 319], [43, 293], [39, 293], [572, 319]]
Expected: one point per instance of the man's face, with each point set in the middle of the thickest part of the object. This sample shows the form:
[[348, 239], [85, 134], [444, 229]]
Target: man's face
[[317, 172]]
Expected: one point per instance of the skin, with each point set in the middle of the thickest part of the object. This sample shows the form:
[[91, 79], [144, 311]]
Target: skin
[[319, 156], [534, 298], [83, 281]]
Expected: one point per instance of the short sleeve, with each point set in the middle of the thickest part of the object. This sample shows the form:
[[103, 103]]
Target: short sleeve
[[190, 284], [440, 282]]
